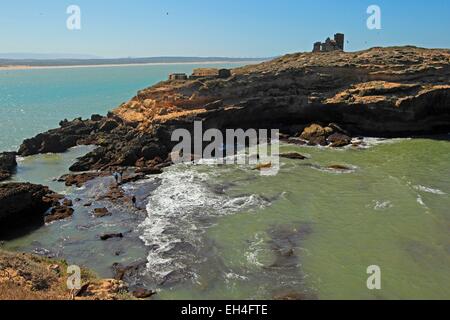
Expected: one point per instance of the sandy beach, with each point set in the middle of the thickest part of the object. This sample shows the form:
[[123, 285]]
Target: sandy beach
[[11, 68]]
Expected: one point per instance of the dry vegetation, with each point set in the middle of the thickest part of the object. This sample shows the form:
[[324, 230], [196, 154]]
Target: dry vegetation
[[28, 277]]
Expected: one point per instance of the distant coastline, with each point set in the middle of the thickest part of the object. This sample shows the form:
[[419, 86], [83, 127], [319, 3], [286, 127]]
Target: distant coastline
[[25, 64], [29, 67]]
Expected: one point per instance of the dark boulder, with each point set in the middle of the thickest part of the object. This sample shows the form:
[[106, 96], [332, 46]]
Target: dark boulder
[[151, 151], [108, 126], [96, 117], [7, 165], [338, 140], [293, 156], [22, 205], [142, 293], [108, 236]]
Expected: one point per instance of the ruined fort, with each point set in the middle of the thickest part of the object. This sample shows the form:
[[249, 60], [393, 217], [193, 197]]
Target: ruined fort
[[202, 73], [330, 45]]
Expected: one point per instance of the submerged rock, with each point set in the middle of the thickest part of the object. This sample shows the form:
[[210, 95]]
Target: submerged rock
[[101, 212], [340, 167], [108, 236], [59, 213], [142, 293], [293, 156]]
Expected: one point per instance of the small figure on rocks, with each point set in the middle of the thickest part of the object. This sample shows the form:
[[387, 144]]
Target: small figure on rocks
[[116, 177], [134, 200]]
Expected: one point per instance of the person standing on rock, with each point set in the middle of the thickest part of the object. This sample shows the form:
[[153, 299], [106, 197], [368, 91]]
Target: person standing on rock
[[116, 177], [134, 200]]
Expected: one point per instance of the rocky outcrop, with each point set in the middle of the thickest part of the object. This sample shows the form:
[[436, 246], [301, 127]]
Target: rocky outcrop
[[119, 144], [379, 92], [22, 204], [7, 165], [331, 135]]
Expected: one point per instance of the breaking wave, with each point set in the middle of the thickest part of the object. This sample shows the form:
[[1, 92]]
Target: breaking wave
[[179, 212]]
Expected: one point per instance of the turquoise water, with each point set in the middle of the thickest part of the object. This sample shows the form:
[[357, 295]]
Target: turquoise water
[[36, 100]]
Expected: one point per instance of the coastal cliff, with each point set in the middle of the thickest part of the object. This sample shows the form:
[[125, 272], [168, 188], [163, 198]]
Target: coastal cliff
[[384, 92]]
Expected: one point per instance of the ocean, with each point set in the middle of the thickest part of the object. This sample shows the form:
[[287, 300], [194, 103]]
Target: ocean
[[210, 232]]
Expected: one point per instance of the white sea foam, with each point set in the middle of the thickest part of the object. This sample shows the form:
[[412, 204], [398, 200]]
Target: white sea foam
[[254, 250], [429, 190], [380, 205], [369, 142], [179, 211]]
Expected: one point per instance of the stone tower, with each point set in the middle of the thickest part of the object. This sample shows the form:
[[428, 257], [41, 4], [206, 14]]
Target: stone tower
[[339, 38]]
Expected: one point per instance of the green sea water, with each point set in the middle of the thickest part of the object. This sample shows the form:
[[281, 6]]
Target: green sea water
[[226, 232]]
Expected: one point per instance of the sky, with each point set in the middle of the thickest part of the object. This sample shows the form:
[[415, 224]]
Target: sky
[[231, 28]]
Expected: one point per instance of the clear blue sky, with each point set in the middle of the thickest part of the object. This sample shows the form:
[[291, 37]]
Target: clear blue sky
[[235, 28]]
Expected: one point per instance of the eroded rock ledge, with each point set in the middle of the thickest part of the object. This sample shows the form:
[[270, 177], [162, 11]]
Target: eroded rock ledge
[[385, 92], [24, 205]]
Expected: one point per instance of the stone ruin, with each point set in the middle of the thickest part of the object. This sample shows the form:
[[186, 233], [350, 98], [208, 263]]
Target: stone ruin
[[178, 76], [331, 45], [202, 73]]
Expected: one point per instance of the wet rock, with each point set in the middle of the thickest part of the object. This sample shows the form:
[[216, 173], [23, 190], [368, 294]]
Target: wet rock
[[101, 212], [297, 141], [67, 203], [339, 167], [315, 131], [263, 166], [293, 155], [8, 165], [59, 213], [285, 240], [22, 204], [338, 140], [52, 199], [317, 141], [114, 194], [108, 236], [142, 293], [79, 180], [149, 171]]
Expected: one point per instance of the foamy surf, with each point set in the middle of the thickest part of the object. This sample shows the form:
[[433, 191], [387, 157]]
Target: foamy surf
[[179, 212], [429, 190]]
